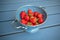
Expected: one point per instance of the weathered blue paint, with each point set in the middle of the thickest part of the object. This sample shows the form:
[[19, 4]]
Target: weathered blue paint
[[7, 12], [7, 27], [44, 34]]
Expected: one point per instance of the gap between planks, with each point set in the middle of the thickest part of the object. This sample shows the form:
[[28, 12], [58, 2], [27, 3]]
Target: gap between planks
[[24, 30]]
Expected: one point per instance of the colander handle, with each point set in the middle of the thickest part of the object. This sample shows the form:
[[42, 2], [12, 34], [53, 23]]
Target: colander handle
[[42, 7], [16, 25], [29, 30]]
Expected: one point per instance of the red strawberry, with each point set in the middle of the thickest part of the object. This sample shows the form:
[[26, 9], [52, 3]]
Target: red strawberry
[[40, 15], [22, 14], [27, 18], [35, 14], [33, 19], [40, 20], [29, 23], [30, 13], [23, 21], [35, 23]]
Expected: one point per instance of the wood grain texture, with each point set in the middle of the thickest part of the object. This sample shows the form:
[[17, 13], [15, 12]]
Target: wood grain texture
[[7, 12], [7, 15], [10, 14], [11, 1], [9, 7], [14, 4], [7, 27], [44, 34]]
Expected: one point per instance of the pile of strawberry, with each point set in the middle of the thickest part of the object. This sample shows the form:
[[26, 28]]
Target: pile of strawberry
[[31, 18]]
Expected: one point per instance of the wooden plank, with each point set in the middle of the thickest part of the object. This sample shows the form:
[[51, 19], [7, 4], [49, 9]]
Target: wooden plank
[[7, 15], [7, 27], [11, 1], [15, 5], [10, 14], [44, 34], [52, 9]]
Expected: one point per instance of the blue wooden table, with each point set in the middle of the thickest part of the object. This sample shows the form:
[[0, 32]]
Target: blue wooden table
[[48, 31]]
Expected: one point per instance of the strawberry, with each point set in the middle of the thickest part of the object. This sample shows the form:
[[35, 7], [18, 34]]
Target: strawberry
[[23, 21], [27, 18], [35, 14], [33, 19], [30, 13], [22, 14], [40, 15], [40, 20], [29, 23], [35, 23]]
